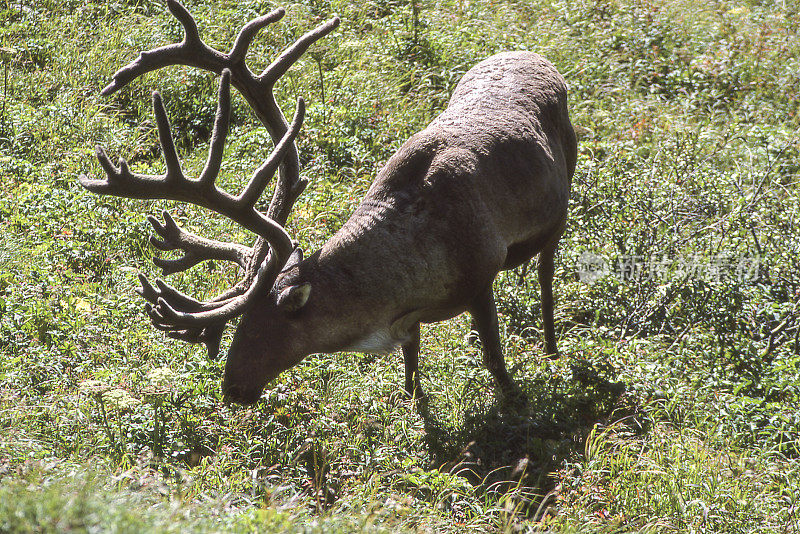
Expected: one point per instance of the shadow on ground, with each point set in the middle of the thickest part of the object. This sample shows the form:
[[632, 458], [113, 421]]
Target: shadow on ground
[[510, 451]]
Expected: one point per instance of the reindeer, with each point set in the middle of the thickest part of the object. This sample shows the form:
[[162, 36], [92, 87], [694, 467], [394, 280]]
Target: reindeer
[[482, 189]]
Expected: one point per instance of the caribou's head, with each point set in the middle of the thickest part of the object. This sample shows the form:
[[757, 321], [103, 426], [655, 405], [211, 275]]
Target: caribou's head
[[262, 345], [270, 338]]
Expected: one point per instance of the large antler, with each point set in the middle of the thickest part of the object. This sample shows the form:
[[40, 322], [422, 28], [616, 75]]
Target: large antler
[[182, 316]]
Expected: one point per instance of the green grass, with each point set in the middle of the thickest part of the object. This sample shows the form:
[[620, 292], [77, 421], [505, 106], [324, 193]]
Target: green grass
[[675, 405]]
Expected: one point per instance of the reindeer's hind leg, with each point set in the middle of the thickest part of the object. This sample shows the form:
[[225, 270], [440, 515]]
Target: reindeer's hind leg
[[546, 269]]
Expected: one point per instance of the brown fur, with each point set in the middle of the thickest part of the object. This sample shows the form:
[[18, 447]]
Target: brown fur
[[483, 188]]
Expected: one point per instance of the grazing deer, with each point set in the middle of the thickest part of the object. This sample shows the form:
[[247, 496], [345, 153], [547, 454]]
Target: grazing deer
[[483, 188]]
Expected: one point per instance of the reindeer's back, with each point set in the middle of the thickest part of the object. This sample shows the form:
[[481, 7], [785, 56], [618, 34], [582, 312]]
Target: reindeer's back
[[489, 174], [506, 141], [507, 92]]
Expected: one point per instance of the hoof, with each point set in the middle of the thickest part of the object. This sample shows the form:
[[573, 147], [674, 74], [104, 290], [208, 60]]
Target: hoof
[[512, 397]]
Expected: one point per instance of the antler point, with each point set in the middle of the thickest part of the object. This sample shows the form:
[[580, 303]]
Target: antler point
[[124, 169], [110, 88]]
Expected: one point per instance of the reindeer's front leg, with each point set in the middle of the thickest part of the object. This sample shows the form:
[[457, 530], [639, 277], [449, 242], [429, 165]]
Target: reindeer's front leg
[[484, 315], [413, 384]]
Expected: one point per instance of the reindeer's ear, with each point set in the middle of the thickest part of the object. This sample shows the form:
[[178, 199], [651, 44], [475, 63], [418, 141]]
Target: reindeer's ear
[[295, 258], [294, 297]]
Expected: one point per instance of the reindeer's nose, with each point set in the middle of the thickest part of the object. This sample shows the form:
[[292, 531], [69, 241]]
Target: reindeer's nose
[[240, 394]]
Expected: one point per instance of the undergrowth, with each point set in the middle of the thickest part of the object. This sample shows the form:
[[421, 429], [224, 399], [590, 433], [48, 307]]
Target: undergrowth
[[675, 404]]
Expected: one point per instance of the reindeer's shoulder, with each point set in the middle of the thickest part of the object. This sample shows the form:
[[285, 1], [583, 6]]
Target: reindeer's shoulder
[[411, 163]]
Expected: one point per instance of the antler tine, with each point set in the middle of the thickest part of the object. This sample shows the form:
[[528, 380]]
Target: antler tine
[[191, 51], [220, 132], [147, 291], [163, 290], [173, 173], [263, 174], [195, 248], [289, 56], [186, 19], [120, 181], [225, 310], [109, 168], [248, 33]]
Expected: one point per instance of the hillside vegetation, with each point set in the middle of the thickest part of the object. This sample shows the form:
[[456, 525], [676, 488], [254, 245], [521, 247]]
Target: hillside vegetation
[[675, 405]]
